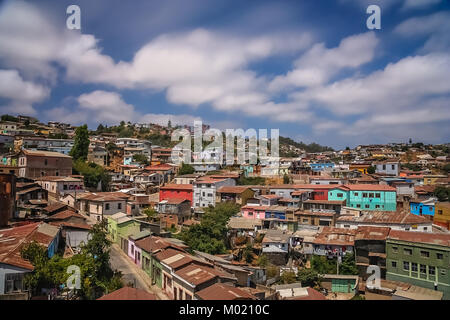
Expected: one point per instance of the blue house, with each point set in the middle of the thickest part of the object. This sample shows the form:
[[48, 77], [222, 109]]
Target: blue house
[[316, 167], [276, 212], [422, 208]]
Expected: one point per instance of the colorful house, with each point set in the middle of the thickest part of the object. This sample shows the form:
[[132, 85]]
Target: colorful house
[[422, 208], [176, 191], [134, 252], [316, 167], [442, 214], [120, 226], [421, 259], [365, 196], [254, 212]]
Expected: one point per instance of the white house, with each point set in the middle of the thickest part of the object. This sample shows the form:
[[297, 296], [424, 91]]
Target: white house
[[205, 190]]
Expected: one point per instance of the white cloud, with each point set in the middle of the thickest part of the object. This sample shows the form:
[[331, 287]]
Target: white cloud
[[21, 94], [435, 26], [319, 64], [108, 107]]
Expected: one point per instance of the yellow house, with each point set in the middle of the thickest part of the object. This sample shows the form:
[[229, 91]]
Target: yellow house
[[442, 214], [431, 178], [360, 167]]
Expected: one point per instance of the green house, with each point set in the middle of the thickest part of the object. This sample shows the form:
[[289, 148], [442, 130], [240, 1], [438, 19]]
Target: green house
[[120, 226], [340, 283], [419, 258], [366, 196]]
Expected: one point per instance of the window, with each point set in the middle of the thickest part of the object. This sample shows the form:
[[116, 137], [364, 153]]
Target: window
[[13, 282], [377, 195], [440, 256], [371, 195], [425, 254], [414, 267], [356, 194], [439, 211], [132, 249], [119, 206], [340, 195], [377, 206], [443, 272], [364, 194], [432, 271], [423, 269], [107, 206], [367, 206], [407, 252], [358, 206], [405, 265], [65, 187], [394, 264], [45, 162], [305, 220], [395, 249], [346, 226]]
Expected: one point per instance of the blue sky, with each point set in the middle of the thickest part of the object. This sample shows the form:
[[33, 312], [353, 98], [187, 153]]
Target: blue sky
[[310, 68]]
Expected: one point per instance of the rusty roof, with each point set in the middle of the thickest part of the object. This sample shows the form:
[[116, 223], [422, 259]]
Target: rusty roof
[[128, 293], [65, 214], [185, 187], [196, 274], [224, 291], [55, 207], [336, 236], [174, 258], [382, 217], [12, 241], [104, 196], [45, 154], [372, 233], [441, 239], [231, 189]]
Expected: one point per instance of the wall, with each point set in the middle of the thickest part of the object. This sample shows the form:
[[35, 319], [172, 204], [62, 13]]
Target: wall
[[4, 269]]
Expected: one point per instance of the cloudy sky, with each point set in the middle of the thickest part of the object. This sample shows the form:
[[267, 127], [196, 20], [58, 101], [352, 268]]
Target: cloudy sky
[[310, 68]]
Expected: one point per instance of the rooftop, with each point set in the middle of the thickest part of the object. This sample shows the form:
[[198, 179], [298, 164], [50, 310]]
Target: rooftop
[[441, 239], [223, 291], [128, 293]]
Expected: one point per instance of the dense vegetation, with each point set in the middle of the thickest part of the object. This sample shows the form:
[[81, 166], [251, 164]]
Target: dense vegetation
[[81, 143], [312, 147], [210, 235], [97, 277], [93, 174], [243, 181], [442, 193], [186, 169]]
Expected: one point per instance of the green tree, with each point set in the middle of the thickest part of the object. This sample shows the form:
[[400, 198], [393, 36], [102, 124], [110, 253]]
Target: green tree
[[81, 144], [442, 193], [251, 181], [288, 277], [92, 174], [308, 277], [186, 169], [150, 212], [348, 265], [100, 128], [210, 234], [140, 158], [323, 265], [371, 170], [263, 261], [286, 179], [248, 253]]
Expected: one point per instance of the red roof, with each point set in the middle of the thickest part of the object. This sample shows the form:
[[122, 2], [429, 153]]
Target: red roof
[[159, 167], [312, 295], [223, 291], [12, 240], [185, 187], [196, 275], [128, 293], [442, 239]]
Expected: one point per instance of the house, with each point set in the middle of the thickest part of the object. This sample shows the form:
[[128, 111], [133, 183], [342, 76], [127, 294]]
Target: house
[[360, 167], [134, 251], [423, 207], [422, 259], [74, 228], [7, 198], [179, 208], [13, 267], [275, 245], [235, 194], [326, 180], [166, 170], [177, 191], [317, 167], [161, 155], [306, 293], [102, 204], [205, 189], [339, 283], [128, 293], [35, 164], [242, 226], [269, 199], [186, 178], [58, 186], [366, 197], [323, 205], [149, 246], [442, 214], [370, 249], [402, 220], [120, 226], [387, 167], [315, 218], [98, 155], [334, 242], [27, 192], [148, 178], [223, 291], [276, 212]]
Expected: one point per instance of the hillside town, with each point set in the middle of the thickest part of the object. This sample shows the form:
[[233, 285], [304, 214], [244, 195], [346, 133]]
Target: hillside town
[[365, 223]]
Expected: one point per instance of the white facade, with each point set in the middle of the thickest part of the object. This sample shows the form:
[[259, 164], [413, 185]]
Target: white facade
[[205, 192]]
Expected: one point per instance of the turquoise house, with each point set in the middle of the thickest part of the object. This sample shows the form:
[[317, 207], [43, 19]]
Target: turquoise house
[[422, 208], [366, 196]]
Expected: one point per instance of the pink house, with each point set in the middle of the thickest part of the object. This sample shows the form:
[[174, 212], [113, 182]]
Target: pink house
[[134, 252], [254, 212]]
